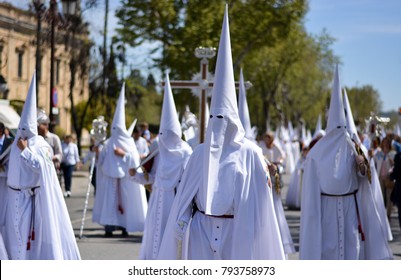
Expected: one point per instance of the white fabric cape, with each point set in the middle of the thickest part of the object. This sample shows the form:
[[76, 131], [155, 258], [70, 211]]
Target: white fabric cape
[[255, 233], [55, 238], [132, 194]]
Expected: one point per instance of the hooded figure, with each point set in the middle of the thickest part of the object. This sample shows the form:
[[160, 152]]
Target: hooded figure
[[227, 178], [334, 220], [169, 165], [119, 201], [38, 226]]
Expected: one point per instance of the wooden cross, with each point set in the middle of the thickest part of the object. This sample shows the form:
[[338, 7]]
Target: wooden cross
[[203, 85]]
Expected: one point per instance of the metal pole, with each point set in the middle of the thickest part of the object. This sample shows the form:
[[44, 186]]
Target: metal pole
[[87, 195], [53, 21]]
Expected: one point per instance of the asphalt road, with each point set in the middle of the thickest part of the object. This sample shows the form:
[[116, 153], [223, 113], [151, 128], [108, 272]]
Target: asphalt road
[[94, 246]]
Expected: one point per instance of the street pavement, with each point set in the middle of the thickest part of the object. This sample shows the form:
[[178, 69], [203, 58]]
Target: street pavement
[[94, 246]]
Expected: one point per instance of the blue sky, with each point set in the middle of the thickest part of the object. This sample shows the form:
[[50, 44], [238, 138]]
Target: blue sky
[[367, 32], [368, 41]]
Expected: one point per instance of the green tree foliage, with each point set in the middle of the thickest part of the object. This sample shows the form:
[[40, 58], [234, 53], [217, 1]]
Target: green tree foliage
[[143, 102], [290, 79], [291, 70], [181, 26]]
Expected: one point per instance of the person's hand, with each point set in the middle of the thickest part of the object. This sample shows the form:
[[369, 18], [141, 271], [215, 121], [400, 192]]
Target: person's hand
[[119, 152], [22, 143], [79, 165], [132, 171], [272, 169], [360, 161]]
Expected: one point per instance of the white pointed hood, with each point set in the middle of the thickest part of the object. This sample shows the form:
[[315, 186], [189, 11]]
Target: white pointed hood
[[224, 133], [333, 153], [169, 119], [131, 128], [113, 165], [118, 126], [351, 128], [318, 126], [27, 129], [336, 111], [172, 149], [28, 125], [243, 109]]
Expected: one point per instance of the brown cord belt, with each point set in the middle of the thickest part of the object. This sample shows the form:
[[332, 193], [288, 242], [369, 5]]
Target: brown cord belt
[[357, 210], [31, 234], [214, 216]]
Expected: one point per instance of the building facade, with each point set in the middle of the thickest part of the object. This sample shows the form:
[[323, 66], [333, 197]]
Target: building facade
[[18, 62]]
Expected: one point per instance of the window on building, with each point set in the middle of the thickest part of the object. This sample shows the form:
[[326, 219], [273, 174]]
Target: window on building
[[20, 63], [58, 65]]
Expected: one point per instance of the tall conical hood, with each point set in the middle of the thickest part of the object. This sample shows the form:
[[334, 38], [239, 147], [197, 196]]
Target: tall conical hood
[[243, 109], [224, 134], [172, 149], [351, 128], [28, 125], [169, 119], [19, 174], [336, 111], [318, 126], [131, 128], [224, 99], [118, 125]]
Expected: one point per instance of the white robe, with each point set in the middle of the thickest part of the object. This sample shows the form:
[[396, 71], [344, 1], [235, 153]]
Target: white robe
[[253, 233], [113, 192], [54, 235], [293, 198], [329, 224]]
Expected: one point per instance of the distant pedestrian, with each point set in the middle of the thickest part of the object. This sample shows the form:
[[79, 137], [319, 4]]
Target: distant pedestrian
[[69, 163]]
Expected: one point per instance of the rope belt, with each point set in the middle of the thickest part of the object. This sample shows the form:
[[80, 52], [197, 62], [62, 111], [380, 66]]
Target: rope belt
[[31, 234], [214, 216], [357, 210]]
